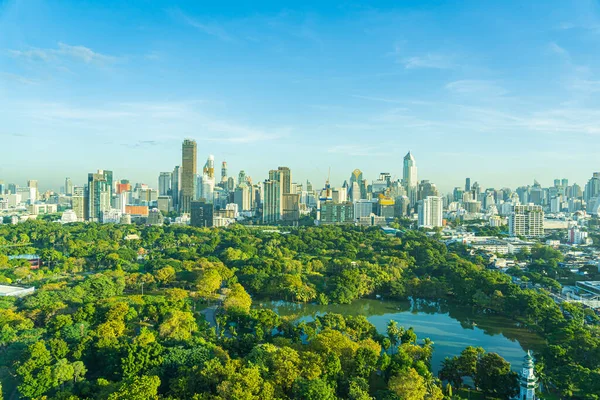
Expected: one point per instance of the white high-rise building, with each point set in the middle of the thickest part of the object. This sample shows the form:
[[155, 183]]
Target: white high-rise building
[[409, 177], [430, 212], [526, 220]]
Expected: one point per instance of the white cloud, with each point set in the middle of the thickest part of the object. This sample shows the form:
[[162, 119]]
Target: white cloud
[[209, 28], [474, 86], [149, 119], [429, 60], [63, 51]]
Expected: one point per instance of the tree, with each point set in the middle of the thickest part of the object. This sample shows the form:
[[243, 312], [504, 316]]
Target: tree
[[138, 388], [237, 300], [314, 389], [208, 283], [408, 386], [495, 378], [178, 325], [165, 275]]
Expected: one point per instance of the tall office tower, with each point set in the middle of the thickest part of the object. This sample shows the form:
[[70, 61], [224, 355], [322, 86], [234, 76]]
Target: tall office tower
[[188, 174], [354, 192], [309, 186], [176, 187], [409, 172], [426, 189], [242, 197], [576, 191], [536, 194], [592, 188], [430, 212], [224, 172], [201, 214], [78, 203], [526, 220], [230, 184], [272, 206], [290, 207], [357, 177], [556, 182], [409, 177], [68, 187], [285, 176], [564, 182], [33, 190], [98, 194], [209, 167], [164, 184], [2, 187], [468, 185], [12, 188], [241, 177]]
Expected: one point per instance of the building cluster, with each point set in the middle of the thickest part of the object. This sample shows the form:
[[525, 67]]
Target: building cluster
[[200, 197]]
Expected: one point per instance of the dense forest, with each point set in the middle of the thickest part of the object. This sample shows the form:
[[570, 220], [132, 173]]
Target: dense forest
[[119, 313]]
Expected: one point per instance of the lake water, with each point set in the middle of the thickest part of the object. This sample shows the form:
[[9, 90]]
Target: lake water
[[451, 328]]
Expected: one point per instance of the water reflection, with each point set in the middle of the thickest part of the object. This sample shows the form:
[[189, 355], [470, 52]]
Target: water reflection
[[452, 328]]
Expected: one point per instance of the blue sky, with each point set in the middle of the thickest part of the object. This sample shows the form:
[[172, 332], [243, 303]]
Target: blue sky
[[501, 91]]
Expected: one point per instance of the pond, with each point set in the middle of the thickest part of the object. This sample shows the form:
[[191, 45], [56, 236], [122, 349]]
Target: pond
[[451, 328]]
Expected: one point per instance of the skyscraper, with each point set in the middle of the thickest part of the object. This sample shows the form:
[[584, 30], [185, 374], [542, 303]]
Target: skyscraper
[[409, 177], [468, 185], [272, 206], [34, 190], [176, 187], [409, 172], [188, 174], [430, 212], [209, 167], [98, 194], [68, 187], [164, 183], [224, 172], [201, 214]]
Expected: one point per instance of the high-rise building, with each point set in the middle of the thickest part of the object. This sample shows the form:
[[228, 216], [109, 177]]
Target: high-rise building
[[78, 202], [188, 174], [33, 190], [336, 213], [2, 187], [12, 188], [409, 171], [468, 185], [290, 207], [272, 207], [209, 167], [68, 187], [526, 220], [592, 188], [242, 197], [201, 214], [357, 177], [164, 184], [98, 194], [409, 177], [426, 189], [224, 172], [175, 187], [430, 212]]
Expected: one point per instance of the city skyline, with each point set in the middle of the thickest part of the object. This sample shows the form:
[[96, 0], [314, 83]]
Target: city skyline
[[81, 178], [311, 86]]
